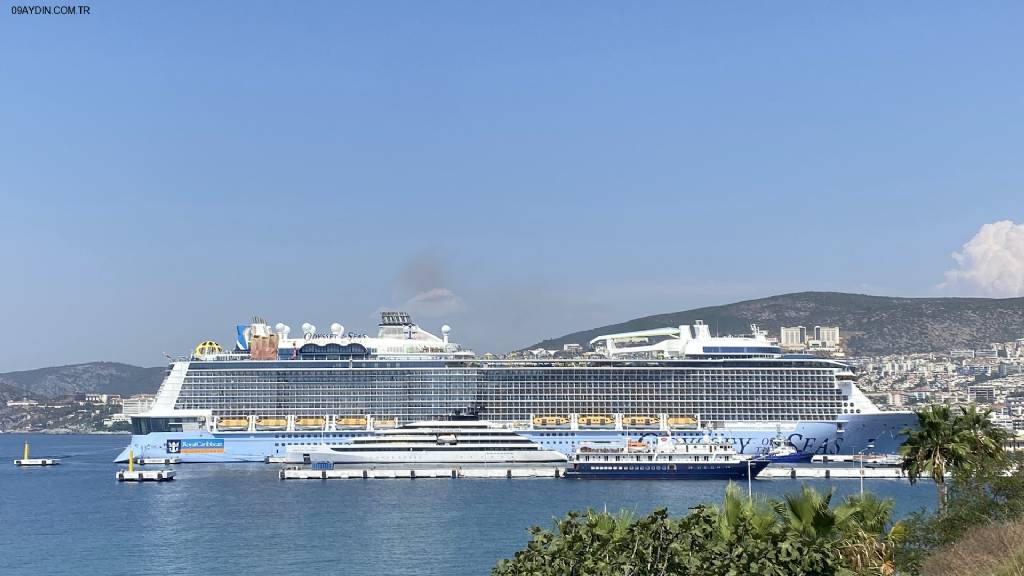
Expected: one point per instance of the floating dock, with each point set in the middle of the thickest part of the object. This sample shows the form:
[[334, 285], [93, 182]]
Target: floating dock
[[37, 462], [354, 474], [133, 475], [145, 475], [26, 461]]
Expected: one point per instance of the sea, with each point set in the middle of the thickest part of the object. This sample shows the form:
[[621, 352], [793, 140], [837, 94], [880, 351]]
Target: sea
[[241, 519]]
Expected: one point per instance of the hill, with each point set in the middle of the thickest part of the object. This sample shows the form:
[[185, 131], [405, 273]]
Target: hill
[[870, 324], [102, 377]]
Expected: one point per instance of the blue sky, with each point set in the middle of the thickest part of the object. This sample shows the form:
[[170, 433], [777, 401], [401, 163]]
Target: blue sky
[[518, 170]]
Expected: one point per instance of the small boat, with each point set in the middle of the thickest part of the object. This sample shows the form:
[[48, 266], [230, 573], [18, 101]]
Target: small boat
[[351, 422], [271, 423], [310, 423], [640, 421], [595, 420], [783, 451], [232, 423], [708, 459], [550, 421], [385, 423], [682, 422]]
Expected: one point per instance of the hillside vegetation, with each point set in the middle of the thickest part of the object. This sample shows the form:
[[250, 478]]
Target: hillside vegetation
[[869, 324], [102, 377]]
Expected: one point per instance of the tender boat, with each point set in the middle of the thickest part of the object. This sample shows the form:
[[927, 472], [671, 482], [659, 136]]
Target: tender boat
[[707, 459], [682, 422], [351, 422], [640, 421], [550, 421], [232, 423], [310, 423], [271, 423], [782, 451], [431, 444], [595, 420]]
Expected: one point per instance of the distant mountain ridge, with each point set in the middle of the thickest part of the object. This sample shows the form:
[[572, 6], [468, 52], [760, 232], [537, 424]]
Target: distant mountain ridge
[[101, 377], [871, 325]]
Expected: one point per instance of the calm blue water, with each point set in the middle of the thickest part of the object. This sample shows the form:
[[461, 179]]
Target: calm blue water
[[234, 519]]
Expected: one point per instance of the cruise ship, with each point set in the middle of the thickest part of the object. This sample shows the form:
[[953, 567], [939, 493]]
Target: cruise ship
[[272, 392]]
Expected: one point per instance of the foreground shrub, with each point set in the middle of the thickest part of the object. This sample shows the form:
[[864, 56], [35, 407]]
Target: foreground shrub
[[801, 535], [987, 495], [990, 550]]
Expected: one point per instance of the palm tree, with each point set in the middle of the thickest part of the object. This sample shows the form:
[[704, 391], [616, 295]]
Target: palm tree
[[808, 514], [982, 435], [936, 447], [737, 510], [869, 543]]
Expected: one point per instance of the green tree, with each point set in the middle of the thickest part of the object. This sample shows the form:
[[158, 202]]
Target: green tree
[[869, 543], [934, 448], [984, 438], [992, 492]]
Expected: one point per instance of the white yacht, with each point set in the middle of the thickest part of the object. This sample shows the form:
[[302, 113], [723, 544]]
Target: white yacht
[[432, 443]]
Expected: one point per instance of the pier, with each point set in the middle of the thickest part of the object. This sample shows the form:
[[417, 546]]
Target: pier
[[845, 472], [355, 474], [26, 461], [769, 473]]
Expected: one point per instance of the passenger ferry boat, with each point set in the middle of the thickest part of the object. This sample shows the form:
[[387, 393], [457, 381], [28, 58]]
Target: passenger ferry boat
[[707, 459], [273, 392], [431, 444]]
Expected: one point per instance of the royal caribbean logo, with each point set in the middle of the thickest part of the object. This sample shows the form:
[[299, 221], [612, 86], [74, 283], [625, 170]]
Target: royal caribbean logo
[[197, 446]]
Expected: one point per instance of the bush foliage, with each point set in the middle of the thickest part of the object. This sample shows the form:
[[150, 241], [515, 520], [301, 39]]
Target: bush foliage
[[801, 535]]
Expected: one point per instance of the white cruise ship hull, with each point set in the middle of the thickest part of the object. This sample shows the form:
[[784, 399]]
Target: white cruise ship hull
[[846, 437]]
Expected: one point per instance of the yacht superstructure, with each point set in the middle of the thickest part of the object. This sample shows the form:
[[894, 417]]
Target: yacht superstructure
[[432, 443], [274, 392]]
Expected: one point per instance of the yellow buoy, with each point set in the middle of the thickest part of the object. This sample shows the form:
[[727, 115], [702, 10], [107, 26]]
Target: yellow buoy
[[131, 460], [25, 457]]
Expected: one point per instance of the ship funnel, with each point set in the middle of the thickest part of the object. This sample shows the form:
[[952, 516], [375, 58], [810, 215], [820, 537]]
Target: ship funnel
[[703, 331]]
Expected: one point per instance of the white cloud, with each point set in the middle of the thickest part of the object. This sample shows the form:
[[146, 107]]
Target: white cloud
[[991, 263]]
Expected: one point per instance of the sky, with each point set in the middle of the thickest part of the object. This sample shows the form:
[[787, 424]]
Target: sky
[[518, 170]]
